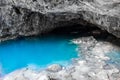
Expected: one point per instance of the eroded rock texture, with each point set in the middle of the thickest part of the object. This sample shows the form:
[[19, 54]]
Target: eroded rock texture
[[32, 17]]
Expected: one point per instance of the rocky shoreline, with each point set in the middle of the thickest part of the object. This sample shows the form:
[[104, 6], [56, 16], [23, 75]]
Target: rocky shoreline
[[35, 17], [93, 66]]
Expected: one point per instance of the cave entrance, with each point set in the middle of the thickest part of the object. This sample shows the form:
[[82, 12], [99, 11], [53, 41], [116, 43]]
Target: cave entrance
[[80, 30]]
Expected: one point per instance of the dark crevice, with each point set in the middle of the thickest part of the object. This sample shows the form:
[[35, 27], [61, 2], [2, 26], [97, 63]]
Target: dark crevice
[[16, 10], [34, 0]]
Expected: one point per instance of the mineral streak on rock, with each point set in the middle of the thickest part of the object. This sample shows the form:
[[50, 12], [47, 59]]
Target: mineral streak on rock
[[32, 17]]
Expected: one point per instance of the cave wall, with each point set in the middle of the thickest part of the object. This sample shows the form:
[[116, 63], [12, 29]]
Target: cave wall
[[33, 17]]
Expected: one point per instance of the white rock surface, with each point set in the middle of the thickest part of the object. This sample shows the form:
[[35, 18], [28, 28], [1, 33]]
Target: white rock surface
[[54, 68]]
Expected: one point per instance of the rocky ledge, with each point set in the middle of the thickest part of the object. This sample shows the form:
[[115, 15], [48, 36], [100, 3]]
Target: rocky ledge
[[93, 66], [33, 17]]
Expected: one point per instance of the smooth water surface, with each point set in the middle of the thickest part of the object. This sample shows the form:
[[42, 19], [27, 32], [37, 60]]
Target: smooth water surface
[[41, 51]]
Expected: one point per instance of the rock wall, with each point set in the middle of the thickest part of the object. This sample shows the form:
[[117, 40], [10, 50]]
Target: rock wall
[[32, 17]]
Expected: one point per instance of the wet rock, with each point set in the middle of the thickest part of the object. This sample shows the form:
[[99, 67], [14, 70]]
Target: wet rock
[[92, 67]]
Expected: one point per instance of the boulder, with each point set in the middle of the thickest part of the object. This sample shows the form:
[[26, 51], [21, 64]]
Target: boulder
[[54, 68]]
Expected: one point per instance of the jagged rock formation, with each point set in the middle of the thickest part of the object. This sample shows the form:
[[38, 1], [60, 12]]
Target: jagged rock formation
[[32, 17]]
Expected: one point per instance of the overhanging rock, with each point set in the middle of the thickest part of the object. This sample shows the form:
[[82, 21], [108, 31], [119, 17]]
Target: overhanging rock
[[32, 17]]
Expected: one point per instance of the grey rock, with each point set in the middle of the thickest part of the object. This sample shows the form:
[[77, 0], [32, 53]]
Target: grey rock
[[54, 68], [33, 17]]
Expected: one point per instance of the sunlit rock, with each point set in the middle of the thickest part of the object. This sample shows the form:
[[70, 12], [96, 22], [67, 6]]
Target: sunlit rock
[[54, 68]]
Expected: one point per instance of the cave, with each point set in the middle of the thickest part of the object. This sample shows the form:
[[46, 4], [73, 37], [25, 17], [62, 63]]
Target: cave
[[81, 31]]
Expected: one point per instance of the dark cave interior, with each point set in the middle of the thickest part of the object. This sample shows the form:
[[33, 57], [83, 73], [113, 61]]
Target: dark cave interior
[[78, 29]]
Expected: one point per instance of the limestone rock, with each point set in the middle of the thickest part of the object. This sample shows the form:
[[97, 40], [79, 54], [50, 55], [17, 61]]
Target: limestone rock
[[54, 68], [32, 17]]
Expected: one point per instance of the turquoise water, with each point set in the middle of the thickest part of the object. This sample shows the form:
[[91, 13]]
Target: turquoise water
[[114, 58], [39, 52]]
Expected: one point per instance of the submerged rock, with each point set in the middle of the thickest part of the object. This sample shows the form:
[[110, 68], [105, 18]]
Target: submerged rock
[[92, 67], [32, 17]]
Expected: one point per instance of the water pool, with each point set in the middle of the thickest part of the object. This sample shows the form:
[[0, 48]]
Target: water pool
[[114, 58], [40, 51]]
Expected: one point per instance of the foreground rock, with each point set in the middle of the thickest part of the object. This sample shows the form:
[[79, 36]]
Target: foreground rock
[[93, 66], [54, 68], [32, 17]]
